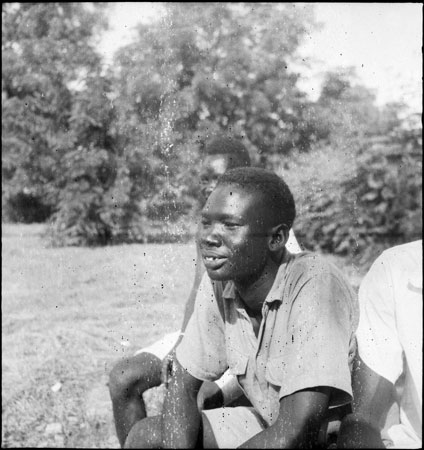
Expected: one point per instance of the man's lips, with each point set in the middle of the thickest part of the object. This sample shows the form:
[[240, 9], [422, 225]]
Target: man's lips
[[213, 261]]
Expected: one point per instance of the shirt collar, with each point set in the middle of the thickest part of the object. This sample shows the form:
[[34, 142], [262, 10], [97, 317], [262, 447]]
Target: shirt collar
[[230, 291], [277, 290]]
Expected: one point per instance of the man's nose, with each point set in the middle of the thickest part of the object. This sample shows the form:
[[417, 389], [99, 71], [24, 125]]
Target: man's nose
[[210, 237]]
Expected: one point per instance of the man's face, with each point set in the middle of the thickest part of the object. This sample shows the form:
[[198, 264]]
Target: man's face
[[212, 168], [233, 236]]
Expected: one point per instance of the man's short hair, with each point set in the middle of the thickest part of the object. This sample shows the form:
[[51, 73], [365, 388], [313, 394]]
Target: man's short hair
[[236, 152], [274, 190]]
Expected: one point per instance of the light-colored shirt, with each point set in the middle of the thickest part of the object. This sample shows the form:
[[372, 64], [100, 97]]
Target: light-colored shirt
[[306, 337], [390, 333]]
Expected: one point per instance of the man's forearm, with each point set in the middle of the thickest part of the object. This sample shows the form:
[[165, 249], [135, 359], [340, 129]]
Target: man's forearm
[[181, 419], [373, 395], [298, 424], [278, 436], [270, 438], [356, 432]]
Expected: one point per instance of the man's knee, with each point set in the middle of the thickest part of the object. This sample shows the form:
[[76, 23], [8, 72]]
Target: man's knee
[[133, 375], [145, 434], [119, 380]]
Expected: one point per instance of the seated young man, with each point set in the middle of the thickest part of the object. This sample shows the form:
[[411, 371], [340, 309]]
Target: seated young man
[[131, 377], [284, 324], [388, 367]]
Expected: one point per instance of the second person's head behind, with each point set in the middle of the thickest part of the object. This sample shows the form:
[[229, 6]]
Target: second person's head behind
[[220, 155]]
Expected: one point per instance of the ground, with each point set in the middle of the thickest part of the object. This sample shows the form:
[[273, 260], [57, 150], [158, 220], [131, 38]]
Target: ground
[[67, 315]]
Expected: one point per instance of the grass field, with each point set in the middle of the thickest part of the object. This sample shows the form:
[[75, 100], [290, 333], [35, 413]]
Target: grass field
[[67, 315]]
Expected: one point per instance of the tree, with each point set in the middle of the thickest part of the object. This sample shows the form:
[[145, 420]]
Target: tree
[[87, 170], [345, 113], [46, 48], [203, 69]]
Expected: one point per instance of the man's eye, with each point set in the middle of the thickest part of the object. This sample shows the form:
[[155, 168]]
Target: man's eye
[[231, 225]]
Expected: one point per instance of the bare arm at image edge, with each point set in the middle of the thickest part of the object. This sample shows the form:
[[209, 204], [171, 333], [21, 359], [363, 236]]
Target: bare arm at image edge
[[373, 396], [379, 350]]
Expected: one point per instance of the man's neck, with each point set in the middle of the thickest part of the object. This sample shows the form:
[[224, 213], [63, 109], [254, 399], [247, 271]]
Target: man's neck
[[253, 293]]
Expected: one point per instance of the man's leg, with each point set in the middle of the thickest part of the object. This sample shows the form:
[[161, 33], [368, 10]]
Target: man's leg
[[127, 382], [131, 377], [146, 433]]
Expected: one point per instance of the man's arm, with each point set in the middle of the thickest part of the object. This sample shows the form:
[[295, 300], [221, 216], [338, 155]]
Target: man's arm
[[188, 311], [380, 347], [299, 421], [198, 274], [373, 396], [181, 418]]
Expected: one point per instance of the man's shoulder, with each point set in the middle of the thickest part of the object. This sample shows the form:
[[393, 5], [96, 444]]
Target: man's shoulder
[[403, 264], [400, 254], [312, 264], [308, 266]]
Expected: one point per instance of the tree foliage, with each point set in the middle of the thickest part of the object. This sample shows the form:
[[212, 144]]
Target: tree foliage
[[218, 66], [112, 156], [185, 79], [361, 199], [45, 48]]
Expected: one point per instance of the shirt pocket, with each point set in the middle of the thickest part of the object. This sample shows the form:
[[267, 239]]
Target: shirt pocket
[[237, 361], [275, 370]]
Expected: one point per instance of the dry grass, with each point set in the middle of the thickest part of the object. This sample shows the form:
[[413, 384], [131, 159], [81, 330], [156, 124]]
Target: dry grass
[[66, 314]]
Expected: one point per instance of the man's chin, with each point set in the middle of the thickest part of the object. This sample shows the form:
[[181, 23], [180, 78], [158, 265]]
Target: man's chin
[[218, 276]]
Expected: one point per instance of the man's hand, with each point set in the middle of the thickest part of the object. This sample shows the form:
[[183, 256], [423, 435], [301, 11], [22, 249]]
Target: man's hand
[[210, 396]]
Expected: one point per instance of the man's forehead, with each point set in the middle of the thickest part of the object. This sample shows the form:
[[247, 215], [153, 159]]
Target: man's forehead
[[233, 197]]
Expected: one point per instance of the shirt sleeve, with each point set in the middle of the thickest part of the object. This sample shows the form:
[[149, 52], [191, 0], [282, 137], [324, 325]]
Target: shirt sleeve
[[202, 350], [318, 340], [378, 342]]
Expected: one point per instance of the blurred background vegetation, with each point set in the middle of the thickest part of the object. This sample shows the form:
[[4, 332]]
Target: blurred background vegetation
[[107, 156]]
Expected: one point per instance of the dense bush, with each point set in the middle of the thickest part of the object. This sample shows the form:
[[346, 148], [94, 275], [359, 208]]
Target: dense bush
[[387, 192], [359, 202]]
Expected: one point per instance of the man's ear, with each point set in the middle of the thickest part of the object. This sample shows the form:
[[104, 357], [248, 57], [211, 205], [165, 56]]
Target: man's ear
[[278, 237]]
